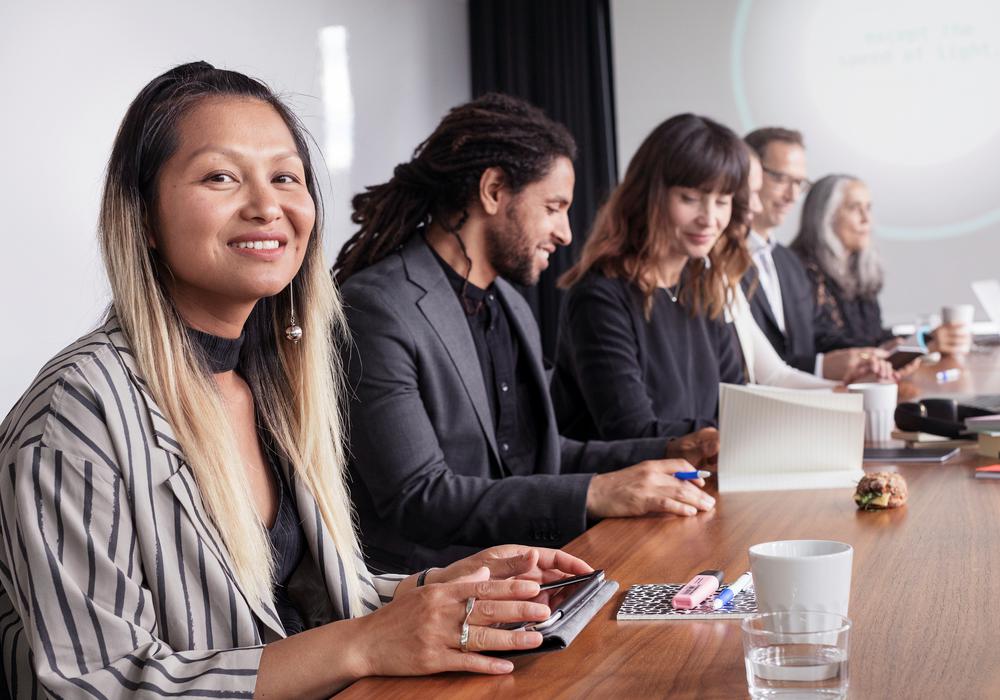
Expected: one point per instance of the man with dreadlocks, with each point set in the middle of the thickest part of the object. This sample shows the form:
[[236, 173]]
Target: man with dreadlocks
[[453, 439]]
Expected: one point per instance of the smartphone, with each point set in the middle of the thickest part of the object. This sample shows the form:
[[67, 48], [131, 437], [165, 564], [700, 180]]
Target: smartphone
[[903, 356], [560, 583], [562, 597]]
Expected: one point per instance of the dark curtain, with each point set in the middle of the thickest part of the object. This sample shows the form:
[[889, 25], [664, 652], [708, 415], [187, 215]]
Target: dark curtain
[[557, 55]]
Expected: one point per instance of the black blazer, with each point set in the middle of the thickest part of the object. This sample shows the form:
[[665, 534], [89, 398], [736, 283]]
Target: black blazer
[[797, 345], [427, 478]]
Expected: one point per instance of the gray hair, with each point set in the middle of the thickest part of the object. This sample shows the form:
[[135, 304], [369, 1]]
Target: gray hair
[[857, 274]]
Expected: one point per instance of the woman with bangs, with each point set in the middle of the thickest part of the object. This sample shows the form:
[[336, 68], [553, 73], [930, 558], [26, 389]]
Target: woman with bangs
[[175, 519], [643, 344]]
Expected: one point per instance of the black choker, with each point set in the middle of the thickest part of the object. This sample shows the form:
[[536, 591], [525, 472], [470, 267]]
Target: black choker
[[221, 354]]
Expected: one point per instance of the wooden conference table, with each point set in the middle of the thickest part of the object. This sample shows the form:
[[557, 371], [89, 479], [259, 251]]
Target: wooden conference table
[[925, 594]]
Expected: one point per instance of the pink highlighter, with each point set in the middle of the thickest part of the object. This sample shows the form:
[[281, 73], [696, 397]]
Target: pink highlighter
[[697, 589]]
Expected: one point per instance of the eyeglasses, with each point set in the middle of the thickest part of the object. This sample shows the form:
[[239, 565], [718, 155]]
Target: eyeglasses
[[784, 179]]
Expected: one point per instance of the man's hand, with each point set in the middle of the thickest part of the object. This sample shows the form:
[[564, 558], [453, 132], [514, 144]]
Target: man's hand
[[700, 448], [647, 487]]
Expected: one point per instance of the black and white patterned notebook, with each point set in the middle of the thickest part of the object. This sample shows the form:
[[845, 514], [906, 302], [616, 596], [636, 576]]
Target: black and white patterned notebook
[[651, 601]]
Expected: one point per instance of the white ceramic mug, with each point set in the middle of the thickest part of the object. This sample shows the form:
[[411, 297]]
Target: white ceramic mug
[[802, 575], [880, 409], [958, 313]]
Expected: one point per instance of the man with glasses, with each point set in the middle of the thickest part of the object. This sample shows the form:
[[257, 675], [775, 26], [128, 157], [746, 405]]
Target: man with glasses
[[783, 304]]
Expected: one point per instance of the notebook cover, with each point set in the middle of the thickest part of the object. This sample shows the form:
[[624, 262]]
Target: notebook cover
[[909, 454], [562, 634], [651, 601], [990, 472]]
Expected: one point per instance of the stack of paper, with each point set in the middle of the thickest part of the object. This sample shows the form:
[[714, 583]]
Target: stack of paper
[[988, 444], [916, 439], [981, 424], [782, 439]]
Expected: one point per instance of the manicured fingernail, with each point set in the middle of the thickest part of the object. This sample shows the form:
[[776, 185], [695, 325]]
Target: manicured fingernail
[[503, 666], [690, 510]]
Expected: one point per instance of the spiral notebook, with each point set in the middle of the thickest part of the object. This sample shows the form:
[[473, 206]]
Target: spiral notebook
[[651, 601]]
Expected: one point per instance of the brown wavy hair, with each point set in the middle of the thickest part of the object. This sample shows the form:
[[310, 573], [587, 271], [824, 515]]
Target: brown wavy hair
[[629, 236]]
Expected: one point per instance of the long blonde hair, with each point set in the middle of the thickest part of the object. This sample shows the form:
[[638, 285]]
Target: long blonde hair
[[298, 389]]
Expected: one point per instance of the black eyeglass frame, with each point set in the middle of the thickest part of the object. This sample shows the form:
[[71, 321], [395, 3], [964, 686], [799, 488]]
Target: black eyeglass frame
[[784, 179]]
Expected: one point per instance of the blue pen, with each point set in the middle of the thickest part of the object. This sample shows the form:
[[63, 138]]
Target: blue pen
[[734, 589], [691, 476]]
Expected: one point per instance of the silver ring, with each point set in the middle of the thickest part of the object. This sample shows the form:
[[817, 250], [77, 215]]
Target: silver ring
[[463, 639]]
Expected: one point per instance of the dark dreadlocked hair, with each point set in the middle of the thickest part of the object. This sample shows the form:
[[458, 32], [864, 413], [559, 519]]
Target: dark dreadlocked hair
[[443, 176]]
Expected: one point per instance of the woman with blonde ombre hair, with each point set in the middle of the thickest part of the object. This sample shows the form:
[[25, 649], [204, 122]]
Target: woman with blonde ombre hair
[[642, 345], [177, 520]]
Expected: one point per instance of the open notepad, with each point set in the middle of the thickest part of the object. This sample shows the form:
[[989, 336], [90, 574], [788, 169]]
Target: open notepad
[[780, 439]]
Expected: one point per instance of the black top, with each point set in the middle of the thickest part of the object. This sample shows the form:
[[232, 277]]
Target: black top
[[618, 375], [288, 542], [506, 374], [857, 321], [287, 539], [220, 354]]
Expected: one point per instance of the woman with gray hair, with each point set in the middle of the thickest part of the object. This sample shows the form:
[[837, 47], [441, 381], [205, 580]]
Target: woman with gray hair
[[834, 242]]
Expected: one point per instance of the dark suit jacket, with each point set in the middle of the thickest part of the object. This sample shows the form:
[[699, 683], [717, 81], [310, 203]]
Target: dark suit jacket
[[797, 345], [428, 482]]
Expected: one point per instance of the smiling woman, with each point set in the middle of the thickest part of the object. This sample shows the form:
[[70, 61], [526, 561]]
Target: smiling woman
[[178, 521], [240, 213], [642, 348]]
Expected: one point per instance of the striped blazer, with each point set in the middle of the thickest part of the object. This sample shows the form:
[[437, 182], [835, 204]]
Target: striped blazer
[[114, 580]]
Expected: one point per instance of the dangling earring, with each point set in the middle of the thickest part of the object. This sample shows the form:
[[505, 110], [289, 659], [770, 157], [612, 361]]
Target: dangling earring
[[293, 331]]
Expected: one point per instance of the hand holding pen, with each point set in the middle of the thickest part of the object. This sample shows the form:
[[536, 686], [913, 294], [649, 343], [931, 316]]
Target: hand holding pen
[[693, 475]]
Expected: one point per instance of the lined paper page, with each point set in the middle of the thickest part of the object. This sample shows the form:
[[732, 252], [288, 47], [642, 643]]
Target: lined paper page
[[781, 439]]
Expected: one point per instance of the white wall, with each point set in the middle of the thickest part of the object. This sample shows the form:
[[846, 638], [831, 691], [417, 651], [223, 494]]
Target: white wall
[[898, 92], [69, 69]]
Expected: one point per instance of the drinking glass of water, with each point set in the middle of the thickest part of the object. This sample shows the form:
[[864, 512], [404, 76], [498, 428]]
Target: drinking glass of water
[[796, 654]]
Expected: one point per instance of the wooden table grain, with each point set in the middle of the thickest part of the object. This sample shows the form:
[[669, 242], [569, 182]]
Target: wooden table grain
[[925, 598]]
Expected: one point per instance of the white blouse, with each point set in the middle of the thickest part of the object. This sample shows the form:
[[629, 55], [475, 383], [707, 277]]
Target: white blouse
[[763, 364]]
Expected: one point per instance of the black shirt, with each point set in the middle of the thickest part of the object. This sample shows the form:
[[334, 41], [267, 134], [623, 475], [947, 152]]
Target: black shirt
[[851, 322], [620, 376], [506, 373], [288, 542]]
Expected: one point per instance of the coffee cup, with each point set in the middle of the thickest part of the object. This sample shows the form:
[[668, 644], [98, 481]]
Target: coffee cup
[[958, 313], [802, 575], [880, 408]]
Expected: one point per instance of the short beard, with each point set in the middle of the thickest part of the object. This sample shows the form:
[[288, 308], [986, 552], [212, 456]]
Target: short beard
[[507, 251]]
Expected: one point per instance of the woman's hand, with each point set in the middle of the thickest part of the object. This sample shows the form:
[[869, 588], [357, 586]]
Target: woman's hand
[[859, 365], [515, 561], [419, 632]]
